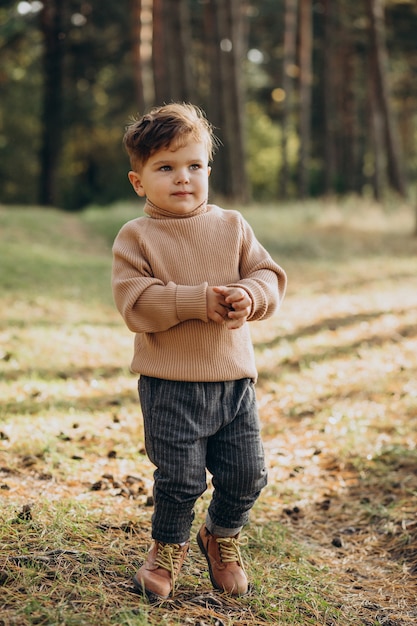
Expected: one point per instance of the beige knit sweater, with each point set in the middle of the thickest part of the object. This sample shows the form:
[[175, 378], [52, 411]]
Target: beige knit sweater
[[162, 266]]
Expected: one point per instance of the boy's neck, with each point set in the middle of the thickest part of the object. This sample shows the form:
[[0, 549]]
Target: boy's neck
[[155, 211]]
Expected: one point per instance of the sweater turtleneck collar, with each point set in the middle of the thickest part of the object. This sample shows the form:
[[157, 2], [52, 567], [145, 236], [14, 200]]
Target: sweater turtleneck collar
[[156, 212]]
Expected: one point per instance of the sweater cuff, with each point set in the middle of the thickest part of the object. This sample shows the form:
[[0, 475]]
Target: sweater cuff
[[191, 302]]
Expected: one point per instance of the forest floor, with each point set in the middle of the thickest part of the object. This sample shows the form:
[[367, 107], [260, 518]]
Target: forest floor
[[333, 537]]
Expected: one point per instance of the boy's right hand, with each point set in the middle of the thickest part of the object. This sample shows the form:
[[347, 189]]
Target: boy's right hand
[[217, 307]]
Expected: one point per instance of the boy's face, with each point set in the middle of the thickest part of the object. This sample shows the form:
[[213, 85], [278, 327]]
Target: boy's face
[[176, 180]]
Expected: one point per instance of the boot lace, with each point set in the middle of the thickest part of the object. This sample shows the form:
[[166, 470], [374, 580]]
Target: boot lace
[[229, 548], [169, 557]]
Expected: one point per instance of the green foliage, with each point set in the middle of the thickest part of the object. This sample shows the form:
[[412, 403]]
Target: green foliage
[[99, 98], [263, 152], [94, 167], [20, 85]]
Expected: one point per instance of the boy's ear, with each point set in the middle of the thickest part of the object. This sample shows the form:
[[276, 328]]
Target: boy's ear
[[209, 170], [136, 183]]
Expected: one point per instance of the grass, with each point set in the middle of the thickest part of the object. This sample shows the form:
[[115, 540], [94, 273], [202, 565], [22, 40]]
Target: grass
[[333, 538]]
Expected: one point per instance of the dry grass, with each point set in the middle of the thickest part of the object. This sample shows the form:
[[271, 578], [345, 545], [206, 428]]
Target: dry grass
[[333, 539]]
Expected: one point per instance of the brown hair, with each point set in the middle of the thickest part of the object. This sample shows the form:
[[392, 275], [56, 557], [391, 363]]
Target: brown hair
[[171, 124]]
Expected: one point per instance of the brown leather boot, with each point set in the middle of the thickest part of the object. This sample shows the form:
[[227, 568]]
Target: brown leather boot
[[224, 562], [159, 573]]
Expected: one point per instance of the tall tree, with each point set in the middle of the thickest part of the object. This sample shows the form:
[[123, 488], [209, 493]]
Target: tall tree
[[159, 61], [329, 87], [230, 52], [51, 22], [288, 75], [306, 47], [136, 21], [178, 48], [379, 65], [338, 125], [171, 51], [213, 89], [377, 142]]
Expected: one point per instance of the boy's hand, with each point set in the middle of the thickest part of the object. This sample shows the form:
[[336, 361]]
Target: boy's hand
[[217, 308], [228, 305]]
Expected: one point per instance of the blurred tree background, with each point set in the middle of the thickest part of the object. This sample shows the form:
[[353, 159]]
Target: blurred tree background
[[308, 97]]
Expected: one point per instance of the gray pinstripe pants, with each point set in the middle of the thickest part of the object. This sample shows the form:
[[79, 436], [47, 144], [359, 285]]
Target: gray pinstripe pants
[[193, 426]]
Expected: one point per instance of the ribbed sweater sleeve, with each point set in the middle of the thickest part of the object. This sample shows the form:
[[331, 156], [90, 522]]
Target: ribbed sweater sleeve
[[147, 304], [162, 266], [264, 281]]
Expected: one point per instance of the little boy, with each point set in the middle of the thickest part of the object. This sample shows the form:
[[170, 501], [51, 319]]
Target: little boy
[[186, 279]]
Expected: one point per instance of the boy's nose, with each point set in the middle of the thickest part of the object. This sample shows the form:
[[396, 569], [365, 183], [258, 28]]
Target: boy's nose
[[183, 176]]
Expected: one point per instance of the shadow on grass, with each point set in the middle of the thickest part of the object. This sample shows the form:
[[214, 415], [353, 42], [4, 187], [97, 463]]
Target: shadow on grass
[[335, 323], [328, 354], [24, 322], [90, 404], [68, 374]]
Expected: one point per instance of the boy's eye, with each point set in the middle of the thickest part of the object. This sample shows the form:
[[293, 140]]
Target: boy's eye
[[165, 168], [195, 166]]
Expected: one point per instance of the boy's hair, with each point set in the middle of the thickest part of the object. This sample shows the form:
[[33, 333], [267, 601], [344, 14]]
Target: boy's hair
[[171, 124]]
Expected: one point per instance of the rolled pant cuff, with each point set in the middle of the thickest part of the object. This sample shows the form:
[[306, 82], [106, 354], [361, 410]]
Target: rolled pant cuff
[[220, 531]]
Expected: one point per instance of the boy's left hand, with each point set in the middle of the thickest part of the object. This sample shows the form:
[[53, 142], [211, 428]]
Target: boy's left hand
[[240, 305]]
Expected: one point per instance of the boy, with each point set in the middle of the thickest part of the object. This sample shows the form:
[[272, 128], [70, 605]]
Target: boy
[[186, 279]]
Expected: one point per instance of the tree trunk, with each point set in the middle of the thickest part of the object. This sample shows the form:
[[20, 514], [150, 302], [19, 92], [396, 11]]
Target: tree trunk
[[171, 51], [329, 89], [350, 132], [136, 14], [229, 26], [378, 143], [159, 61], [379, 64], [53, 37], [178, 49], [290, 40], [305, 94], [218, 178]]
